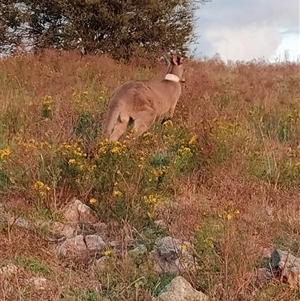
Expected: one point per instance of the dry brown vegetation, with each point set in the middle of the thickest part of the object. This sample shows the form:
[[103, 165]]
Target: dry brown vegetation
[[225, 175]]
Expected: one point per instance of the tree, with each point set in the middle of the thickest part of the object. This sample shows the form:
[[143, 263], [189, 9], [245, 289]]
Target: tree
[[118, 27]]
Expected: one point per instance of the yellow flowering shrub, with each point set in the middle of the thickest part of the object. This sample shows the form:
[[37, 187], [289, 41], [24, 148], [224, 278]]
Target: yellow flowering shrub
[[93, 201], [41, 188], [47, 103], [72, 165], [4, 153]]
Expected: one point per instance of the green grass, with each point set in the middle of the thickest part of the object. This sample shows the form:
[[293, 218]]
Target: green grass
[[32, 265]]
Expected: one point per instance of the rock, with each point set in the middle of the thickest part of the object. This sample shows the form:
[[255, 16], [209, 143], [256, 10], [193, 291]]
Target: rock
[[286, 266], [78, 246], [101, 229], [181, 290], [172, 255], [76, 212], [61, 229], [85, 228], [20, 222], [72, 247], [9, 270], [95, 243]]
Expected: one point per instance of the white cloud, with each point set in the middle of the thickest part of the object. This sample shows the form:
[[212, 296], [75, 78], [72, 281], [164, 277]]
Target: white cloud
[[246, 43], [243, 30], [289, 48]]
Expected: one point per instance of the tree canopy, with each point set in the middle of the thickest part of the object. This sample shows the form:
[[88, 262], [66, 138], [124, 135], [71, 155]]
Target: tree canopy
[[118, 27]]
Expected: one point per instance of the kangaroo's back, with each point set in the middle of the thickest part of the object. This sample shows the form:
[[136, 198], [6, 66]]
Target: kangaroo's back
[[143, 101]]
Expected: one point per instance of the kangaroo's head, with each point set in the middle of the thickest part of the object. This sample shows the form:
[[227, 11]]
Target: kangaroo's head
[[175, 68]]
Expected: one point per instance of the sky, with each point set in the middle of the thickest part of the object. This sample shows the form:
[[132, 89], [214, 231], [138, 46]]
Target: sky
[[249, 29]]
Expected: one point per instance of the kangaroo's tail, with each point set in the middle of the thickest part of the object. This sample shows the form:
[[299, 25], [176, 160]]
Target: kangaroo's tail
[[114, 116]]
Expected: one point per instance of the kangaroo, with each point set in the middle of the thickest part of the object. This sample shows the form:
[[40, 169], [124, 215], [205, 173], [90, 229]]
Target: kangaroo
[[142, 101]]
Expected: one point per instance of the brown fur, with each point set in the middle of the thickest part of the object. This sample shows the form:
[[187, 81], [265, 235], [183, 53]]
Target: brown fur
[[143, 101]]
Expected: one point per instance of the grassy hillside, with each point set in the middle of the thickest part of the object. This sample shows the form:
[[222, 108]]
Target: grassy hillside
[[224, 174]]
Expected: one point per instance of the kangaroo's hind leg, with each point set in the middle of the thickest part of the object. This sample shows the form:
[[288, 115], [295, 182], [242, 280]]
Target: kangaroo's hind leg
[[119, 128], [143, 122]]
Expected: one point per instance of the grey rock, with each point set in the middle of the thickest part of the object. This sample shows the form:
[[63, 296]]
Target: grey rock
[[72, 247], [101, 229], [21, 222], [288, 266], [78, 246], [61, 229], [169, 248], [77, 211], [95, 243], [181, 290], [172, 255], [85, 228]]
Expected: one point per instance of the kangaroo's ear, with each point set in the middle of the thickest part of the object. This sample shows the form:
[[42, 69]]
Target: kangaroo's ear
[[176, 59], [180, 60], [165, 58]]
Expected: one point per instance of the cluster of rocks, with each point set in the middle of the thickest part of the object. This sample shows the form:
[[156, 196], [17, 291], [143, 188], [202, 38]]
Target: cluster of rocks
[[282, 266], [83, 237], [86, 235]]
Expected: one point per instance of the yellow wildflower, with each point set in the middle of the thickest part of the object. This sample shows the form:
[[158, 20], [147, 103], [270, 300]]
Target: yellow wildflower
[[41, 188], [184, 247], [151, 199], [116, 150], [4, 153], [157, 172], [102, 150], [229, 216], [184, 149], [107, 253], [93, 201], [71, 161], [40, 185], [117, 193], [168, 123], [47, 100]]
